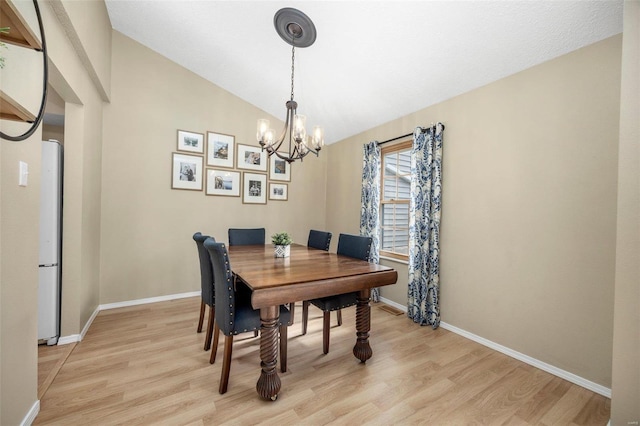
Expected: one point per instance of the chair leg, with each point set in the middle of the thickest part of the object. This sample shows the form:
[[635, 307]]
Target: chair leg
[[207, 338], [226, 364], [214, 349], [339, 316], [201, 320], [292, 311], [326, 326], [255, 333], [305, 316], [283, 348]]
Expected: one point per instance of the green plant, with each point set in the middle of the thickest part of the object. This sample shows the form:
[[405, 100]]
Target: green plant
[[281, 239], [4, 30]]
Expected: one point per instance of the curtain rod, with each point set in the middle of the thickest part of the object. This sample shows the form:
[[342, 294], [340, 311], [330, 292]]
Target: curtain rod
[[408, 134]]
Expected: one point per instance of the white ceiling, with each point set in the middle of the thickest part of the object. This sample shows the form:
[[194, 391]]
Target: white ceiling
[[373, 61]]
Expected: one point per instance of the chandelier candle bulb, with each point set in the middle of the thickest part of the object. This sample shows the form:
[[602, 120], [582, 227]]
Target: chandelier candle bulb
[[269, 137], [263, 126], [318, 137], [302, 147], [299, 131]]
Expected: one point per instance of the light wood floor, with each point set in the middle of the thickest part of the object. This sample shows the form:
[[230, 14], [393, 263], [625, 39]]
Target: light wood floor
[[50, 361], [146, 365]]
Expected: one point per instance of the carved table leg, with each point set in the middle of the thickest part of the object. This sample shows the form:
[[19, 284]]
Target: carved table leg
[[269, 384], [362, 349]]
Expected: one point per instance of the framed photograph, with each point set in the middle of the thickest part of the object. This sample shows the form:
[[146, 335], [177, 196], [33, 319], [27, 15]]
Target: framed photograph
[[279, 169], [223, 182], [278, 191], [190, 142], [220, 150], [252, 158], [187, 172], [254, 188]]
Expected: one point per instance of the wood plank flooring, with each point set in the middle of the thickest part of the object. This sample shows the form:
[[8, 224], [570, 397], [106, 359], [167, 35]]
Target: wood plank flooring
[[146, 365], [50, 361]]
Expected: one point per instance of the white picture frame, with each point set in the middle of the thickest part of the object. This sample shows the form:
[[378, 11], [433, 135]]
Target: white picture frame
[[254, 188], [220, 150], [251, 158], [186, 172], [223, 182], [278, 191], [190, 142], [279, 169]]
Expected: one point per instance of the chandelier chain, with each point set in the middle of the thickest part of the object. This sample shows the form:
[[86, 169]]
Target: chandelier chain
[[293, 57]]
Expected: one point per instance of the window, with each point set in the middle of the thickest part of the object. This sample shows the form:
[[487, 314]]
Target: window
[[394, 200]]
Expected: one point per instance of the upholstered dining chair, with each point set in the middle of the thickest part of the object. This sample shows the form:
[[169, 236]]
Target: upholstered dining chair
[[246, 237], [236, 315], [320, 240], [355, 246], [206, 284]]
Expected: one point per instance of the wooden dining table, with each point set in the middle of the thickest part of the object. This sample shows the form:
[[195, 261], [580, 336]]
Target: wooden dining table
[[306, 274]]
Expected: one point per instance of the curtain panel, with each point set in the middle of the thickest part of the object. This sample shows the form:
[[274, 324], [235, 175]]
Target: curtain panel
[[369, 218], [424, 226]]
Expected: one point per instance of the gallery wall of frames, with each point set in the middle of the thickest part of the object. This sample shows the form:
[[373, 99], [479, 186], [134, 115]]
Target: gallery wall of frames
[[215, 163]]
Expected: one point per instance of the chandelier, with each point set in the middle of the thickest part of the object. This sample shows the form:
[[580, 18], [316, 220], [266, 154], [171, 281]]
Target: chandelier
[[295, 28]]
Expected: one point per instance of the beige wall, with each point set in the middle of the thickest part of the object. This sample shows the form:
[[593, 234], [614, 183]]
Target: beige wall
[[529, 208], [20, 216], [625, 404], [82, 167], [53, 132], [89, 30], [146, 244], [19, 275]]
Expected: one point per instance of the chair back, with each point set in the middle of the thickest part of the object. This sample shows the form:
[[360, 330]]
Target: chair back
[[319, 240], [246, 237], [355, 246], [223, 282], [206, 273]]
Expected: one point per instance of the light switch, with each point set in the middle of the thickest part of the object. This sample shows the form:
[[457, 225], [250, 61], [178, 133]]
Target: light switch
[[24, 173]]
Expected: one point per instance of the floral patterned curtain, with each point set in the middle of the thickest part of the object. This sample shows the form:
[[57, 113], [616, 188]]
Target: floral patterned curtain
[[424, 226], [369, 220]]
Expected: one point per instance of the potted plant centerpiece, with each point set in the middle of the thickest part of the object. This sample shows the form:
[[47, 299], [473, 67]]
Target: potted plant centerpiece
[[282, 242]]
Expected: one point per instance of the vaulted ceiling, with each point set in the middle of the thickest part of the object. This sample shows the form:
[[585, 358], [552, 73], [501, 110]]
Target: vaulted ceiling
[[373, 61]]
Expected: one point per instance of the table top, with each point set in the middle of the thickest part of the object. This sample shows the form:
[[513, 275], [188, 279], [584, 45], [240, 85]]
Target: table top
[[307, 274]]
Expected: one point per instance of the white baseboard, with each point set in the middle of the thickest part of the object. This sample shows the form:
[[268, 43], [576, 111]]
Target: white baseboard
[[386, 301], [563, 374], [587, 384], [31, 414], [89, 322], [148, 300], [74, 338]]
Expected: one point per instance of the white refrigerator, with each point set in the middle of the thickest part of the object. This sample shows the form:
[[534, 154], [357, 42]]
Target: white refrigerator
[[50, 243]]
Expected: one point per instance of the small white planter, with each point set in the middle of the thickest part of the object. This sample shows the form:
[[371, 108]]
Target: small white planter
[[282, 251]]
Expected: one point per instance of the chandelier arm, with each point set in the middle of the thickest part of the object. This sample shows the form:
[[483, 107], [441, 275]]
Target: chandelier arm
[[284, 157], [276, 145], [291, 134]]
